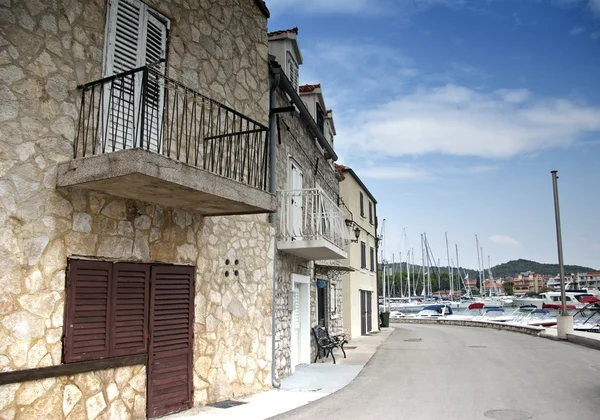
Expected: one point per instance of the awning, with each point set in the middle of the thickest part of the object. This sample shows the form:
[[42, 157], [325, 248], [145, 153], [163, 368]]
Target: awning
[[326, 268]]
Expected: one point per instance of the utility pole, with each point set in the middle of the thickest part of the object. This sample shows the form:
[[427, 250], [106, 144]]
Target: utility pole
[[564, 321]]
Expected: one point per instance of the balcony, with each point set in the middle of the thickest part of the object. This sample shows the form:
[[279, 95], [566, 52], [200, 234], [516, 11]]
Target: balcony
[[144, 136], [311, 225]]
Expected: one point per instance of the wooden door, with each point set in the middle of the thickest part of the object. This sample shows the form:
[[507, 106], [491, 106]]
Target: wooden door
[[170, 377], [321, 302], [363, 312], [369, 299]]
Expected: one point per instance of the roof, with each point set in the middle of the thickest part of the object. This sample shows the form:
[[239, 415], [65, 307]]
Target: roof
[[294, 30], [263, 8], [347, 169], [309, 88]]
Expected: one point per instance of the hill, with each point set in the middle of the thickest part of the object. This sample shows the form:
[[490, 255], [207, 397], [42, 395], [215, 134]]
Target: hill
[[509, 268], [518, 266]]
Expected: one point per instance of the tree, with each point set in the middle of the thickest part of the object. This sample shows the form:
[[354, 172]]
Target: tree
[[509, 288]]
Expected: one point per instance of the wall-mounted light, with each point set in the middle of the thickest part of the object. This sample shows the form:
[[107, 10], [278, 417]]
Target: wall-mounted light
[[356, 234]]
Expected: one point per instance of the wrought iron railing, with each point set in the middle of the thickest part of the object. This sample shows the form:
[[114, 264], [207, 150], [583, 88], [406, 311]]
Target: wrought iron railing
[[143, 108], [310, 214]]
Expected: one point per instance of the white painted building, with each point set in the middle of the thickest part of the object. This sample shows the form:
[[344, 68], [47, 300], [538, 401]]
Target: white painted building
[[360, 285]]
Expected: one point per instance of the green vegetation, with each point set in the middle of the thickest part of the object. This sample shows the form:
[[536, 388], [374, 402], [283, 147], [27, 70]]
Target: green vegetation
[[512, 268]]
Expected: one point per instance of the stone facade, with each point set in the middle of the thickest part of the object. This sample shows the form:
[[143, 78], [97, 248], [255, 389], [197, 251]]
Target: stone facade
[[46, 50], [109, 394], [298, 143]]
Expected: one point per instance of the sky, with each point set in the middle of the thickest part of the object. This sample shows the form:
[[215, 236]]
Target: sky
[[454, 112]]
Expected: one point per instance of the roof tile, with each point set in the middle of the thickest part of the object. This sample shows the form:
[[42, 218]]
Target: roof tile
[[308, 88], [294, 30]]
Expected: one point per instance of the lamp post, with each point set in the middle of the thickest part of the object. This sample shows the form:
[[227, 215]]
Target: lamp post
[[564, 321]]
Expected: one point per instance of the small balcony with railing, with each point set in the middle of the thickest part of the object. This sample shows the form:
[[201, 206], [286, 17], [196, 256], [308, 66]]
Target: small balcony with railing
[[312, 226], [142, 135]]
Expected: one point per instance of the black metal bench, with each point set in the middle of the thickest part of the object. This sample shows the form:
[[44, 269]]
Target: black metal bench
[[327, 343]]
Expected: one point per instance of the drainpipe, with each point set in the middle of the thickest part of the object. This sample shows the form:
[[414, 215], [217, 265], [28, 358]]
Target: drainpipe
[[304, 113], [272, 217]]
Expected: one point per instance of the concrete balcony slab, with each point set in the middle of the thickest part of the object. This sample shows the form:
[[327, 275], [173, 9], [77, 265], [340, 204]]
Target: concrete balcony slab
[[312, 249], [139, 174]]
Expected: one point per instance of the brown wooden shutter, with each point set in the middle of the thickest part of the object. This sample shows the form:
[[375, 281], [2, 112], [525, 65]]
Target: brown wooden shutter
[[170, 377], [129, 329], [88, 315]]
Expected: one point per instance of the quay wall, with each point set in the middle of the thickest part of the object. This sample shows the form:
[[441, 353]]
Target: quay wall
[[525, 329]]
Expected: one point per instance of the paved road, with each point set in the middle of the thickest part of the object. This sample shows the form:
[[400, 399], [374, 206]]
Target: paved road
[[461, 373]]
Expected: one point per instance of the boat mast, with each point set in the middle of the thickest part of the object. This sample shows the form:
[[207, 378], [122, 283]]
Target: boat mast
[[491, 277], [449, 273], [392, 288], [423, 265], [478, 264], [466, 285], [408, 271], [401, 282], [482, 272]]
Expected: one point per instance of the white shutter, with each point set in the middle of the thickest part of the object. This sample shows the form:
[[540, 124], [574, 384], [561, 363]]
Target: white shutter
[[134, 38], [155, 50]]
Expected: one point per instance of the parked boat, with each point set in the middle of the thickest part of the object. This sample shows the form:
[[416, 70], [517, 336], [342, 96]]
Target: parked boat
[[587, 319], [434, 311], [579, 298]]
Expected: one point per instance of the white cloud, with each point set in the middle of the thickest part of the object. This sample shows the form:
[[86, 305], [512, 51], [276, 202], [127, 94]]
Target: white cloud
[[504, 240], [592, 5], [515, 96], [457, 120], [348, 71], [577, 30], [400, 171], [595, 35]]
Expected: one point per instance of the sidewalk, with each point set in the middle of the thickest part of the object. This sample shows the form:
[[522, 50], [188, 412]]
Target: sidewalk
[[307, 384]]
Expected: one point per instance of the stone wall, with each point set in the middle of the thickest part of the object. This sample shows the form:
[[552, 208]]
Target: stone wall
[[297, 141], [109, 394], [46, 50]]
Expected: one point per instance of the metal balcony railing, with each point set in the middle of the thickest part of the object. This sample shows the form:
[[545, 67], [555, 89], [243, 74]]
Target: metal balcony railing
[[143, 108], [310, 214]]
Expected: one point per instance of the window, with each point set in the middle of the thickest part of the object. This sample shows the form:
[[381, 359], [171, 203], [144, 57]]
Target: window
[[372, 259], [292, 67], [363, 255], [320, 119], [107, 310], [370, 212], [136, 36], [362, 204], [333, 299]]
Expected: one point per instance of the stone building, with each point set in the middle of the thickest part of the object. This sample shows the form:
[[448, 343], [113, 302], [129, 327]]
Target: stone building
[[361, 314], [137, 259], [311, 237]]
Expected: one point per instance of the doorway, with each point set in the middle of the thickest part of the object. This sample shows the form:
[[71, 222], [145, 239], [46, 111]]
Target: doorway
[[322, 303], [170, 364], [300, 316]]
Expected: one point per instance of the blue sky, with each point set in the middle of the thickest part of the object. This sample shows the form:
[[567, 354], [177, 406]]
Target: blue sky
[[454, 112]]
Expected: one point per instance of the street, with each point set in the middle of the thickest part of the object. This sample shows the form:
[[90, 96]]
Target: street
[[445, 372]]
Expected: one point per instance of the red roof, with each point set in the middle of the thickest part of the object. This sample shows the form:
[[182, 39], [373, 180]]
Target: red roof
[[308, 88], [284, 31]]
